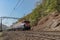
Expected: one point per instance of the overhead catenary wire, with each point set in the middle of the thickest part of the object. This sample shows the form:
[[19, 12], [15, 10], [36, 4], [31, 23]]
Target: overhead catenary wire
[[15, 7], [21, 3], [18, 4]]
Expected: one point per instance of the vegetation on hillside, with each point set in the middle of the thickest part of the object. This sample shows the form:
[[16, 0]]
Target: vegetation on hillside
[[42, 10]]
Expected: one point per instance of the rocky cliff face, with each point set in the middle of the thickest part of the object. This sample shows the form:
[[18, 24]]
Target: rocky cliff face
[[50, 22]]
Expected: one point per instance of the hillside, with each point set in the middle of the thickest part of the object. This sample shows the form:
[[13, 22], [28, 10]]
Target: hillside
[[41, 10], [50, 22]]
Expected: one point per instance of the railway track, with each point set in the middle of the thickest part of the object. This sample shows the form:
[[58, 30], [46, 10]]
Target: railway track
[[32, 35], [53, 35]]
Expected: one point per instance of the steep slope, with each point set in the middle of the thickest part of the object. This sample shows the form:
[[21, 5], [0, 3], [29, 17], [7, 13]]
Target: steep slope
[[49, 23], [41, 10]]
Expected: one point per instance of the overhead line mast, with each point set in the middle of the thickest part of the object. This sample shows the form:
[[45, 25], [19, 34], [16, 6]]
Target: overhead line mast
[[7, 18]]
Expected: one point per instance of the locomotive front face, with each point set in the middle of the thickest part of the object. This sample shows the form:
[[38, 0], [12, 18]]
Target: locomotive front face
[[27, 24]]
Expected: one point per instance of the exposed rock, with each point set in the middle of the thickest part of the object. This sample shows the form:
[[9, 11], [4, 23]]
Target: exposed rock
[[49, 23]]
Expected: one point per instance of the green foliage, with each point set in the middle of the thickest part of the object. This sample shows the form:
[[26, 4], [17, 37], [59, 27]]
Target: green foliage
[[42, 10], [58, 5]]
